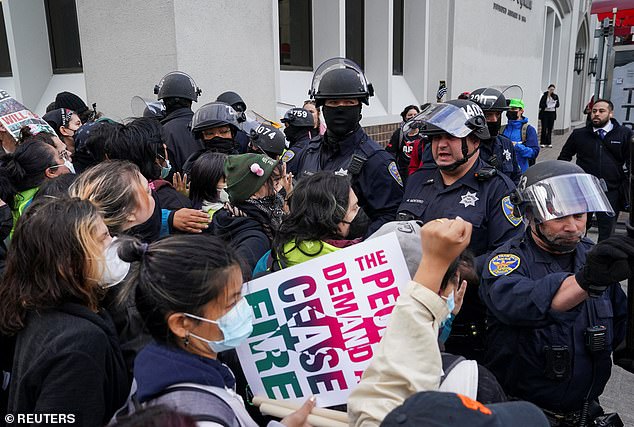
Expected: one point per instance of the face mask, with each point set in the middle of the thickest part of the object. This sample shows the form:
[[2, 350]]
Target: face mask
[[359, 225], [236, 326], [494, 128], [115, 269], [223, 196], [272, 206], [512, 115], [294, 133], [165, 170], [6, 222], [341, 121], [220, 145], [451, 304]]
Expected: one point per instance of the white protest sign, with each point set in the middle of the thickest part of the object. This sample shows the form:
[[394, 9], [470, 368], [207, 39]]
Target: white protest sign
[[14, 116], [317, 324]]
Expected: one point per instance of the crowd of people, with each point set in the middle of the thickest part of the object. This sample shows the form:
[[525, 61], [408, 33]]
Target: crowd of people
[[125, 247]]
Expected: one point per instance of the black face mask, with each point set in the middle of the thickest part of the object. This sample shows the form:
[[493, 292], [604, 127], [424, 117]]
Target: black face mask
[[272, 206], [6, 222], [342, 121], [494, 128], [220, 145], [359, 225], [512, 115], [294, 133]]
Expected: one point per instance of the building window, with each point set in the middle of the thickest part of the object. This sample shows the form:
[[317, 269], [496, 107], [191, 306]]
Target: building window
[[355, 36], [296, 35], [397, 38], [5, 60], [63, 36]]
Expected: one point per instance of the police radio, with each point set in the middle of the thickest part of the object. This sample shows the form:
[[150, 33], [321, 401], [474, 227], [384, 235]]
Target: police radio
[[595, 339]]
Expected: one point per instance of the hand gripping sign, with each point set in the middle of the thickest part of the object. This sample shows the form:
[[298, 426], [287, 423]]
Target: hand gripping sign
[[317, 324]]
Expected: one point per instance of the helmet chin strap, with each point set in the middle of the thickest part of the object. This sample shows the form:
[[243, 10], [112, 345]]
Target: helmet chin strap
[[465, 157], [554, 246]]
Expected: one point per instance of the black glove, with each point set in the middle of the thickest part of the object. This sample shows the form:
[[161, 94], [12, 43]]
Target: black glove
[[609, 261]]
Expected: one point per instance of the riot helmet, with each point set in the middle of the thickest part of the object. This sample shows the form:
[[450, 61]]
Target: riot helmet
[[233, 99], [269, 140], [458, 118], [339, 78], [298, 117], [491, 100], [147, 108], [554, 189], [177, 85], [214, 114]]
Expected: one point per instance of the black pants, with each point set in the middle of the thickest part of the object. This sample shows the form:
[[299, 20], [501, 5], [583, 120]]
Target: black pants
[[548, 121], [606, 224]]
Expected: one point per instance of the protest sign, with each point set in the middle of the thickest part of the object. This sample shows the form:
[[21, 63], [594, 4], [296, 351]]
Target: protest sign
[[14, 116], [317, 324]]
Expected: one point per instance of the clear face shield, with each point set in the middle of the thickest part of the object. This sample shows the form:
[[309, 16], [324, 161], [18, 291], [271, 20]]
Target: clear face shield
[[334, 64], [565, 195], [440, 118], [214, 112], [142, 107]]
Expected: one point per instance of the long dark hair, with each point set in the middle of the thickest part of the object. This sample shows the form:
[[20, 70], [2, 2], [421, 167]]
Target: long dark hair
[[175, 274], [206, 171], [54, 258], [317, 205], [139, 142], [26, 166]]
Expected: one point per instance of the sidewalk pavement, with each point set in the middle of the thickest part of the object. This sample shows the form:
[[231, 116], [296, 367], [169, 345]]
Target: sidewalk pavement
[[619, 392]]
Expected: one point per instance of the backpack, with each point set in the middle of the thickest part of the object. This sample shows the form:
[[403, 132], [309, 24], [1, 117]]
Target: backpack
[[222, 412], [524, 130]]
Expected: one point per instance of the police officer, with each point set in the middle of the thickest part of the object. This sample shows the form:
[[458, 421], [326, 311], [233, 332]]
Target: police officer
[[298, 124], [556, 309], [237, 103], [498, 150], [267, 139], [462, 185], [178, 90], [340, 87], [216, 125]]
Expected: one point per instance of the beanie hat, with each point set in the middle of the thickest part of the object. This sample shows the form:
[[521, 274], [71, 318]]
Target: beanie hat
[[58, 118], [246, 173], [408, 234], [516, 103], [71, 101]]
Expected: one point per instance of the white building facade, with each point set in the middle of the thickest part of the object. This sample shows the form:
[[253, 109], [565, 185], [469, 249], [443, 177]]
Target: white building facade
[[266, 50]]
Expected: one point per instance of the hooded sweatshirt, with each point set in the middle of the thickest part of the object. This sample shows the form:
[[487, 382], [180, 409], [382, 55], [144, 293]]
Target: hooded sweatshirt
[[524, 150]]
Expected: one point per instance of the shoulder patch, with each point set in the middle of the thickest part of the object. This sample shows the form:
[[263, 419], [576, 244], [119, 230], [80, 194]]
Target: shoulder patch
[[393, 170], [503, 264], [288, 155], [507, 208]]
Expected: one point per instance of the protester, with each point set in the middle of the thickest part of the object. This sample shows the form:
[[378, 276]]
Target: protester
[[27, 168], [319, 127], [208, 185], [321, 209], [254, 184], [65, 122], [142, 142], [394, 374], [523, 135], [67, 358], [192, 305]]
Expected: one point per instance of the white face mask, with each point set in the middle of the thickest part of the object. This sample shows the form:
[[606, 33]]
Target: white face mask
[[223, 196], [115, 269], [70, 166]]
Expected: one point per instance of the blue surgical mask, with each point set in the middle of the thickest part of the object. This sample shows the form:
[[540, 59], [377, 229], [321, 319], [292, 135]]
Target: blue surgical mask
[[236, 326], [165, 170], [451, 304]]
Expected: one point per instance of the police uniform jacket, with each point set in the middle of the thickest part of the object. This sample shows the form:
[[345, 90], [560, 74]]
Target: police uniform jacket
[[483, 203], [377, 184], [179, 140], [500, 153], [517, 287], [292, 155]]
